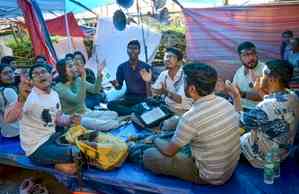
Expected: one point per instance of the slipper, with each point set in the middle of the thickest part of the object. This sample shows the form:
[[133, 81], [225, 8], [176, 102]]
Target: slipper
[[25, 186], [38, 189]]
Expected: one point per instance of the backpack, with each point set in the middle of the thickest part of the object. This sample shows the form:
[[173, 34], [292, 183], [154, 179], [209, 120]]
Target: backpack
[[6, 129], [3, 100], [101, 150]]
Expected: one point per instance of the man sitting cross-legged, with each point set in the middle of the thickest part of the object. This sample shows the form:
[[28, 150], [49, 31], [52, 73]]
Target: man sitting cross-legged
[[273, 120], [40, 117], [211, 127], [170, 85]]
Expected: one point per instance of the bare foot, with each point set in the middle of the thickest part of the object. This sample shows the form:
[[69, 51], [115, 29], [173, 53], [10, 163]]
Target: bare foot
[[69, 168]]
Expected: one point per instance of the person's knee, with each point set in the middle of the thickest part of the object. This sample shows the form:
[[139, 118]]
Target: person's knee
[[151, 157], [113, 105]]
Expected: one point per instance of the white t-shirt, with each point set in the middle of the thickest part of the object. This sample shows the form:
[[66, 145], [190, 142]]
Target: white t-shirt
[[176, 86], [38, 120], [245, 82], [8, 129]]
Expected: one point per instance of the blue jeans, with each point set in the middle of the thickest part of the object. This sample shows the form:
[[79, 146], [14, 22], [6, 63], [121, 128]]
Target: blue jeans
[[125, 106], [51, 152], [94, 100]]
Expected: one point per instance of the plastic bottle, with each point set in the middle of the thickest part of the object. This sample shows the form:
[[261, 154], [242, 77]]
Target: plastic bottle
[[276, 160], [268, 169]]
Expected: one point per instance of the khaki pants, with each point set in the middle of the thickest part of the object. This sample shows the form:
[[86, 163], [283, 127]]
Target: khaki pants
[[180, 165]]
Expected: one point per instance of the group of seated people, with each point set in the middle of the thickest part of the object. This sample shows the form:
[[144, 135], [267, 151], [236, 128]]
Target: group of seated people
[[208, 111]]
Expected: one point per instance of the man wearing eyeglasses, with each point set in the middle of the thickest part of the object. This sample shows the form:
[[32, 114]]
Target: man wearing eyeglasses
[[247, 74]]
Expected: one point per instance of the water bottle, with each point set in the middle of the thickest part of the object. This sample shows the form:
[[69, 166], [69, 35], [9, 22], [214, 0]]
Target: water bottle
[[269, 169], [276, 160]]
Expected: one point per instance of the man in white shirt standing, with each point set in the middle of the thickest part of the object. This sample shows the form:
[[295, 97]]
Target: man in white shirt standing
[[40, 117], [247, 74], [170, 84]]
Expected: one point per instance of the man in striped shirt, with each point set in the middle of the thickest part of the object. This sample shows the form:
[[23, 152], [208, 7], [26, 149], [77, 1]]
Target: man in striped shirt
[[210, 127]]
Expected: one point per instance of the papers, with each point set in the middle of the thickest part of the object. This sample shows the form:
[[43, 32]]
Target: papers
[[152, 115]]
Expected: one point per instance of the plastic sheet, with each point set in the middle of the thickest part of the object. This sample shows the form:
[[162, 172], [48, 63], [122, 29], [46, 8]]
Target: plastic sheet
[[131, 178]]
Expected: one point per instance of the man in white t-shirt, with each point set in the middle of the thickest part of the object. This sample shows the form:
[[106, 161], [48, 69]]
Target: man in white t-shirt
[[41, 115], [247, 74], [170, 85]]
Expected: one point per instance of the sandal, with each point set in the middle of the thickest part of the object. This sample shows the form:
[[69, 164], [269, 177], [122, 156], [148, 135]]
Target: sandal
[[25, 186], [38, 189]]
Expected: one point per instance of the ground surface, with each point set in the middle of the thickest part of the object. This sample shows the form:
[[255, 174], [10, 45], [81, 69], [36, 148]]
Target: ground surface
[[11, 178]]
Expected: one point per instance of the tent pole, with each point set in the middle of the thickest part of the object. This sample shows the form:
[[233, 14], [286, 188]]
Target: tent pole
[[143, 36]]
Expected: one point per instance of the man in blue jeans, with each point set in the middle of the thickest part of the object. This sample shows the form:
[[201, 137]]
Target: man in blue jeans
[[40, 117], [137, 76]]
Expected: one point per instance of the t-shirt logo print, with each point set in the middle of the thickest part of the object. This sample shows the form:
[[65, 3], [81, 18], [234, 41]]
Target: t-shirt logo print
[[46, 117]]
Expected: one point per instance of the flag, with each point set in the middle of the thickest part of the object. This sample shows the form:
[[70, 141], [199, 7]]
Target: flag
[[38, 31]]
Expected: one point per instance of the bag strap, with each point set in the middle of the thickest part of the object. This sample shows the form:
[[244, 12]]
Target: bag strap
[[3, 96]]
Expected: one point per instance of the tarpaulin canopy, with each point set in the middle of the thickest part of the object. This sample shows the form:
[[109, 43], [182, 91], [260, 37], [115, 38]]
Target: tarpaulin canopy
[[57, 26], [213, 34], [9, 9]]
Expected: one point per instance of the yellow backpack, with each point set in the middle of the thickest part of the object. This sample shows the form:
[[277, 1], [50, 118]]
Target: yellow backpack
[[101, 150]]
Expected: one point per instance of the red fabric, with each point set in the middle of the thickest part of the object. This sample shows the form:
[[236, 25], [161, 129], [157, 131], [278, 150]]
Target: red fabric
[[37, 38], [213, 34], [57, 25]]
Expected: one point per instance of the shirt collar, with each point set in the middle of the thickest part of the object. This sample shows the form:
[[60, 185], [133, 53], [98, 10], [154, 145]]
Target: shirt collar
[[40, 92], [204, 99], [178, 75]]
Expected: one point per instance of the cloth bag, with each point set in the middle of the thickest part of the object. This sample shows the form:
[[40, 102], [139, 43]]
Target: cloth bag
[[101, 150]]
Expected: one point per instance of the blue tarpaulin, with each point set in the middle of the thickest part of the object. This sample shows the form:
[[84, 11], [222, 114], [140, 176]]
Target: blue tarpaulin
[[131, 178]]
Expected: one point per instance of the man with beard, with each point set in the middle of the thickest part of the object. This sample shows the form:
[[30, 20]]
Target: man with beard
[[170, 84], [137, 76], [247, 74], [273, 120], [211, 128]]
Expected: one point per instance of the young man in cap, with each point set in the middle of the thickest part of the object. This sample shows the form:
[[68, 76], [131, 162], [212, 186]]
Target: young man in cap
[[273, 120], [211, 127], [247, 74]]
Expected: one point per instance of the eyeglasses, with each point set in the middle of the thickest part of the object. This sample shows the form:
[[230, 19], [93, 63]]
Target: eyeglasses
[[38, 73], [9, 72]]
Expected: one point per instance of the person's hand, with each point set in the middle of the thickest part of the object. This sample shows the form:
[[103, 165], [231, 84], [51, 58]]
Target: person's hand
[[163, 89], [101, 67], [24, 88], [75, 119], [146, 75], [231, 89], [82, 72], [114, 83], [258, 87]]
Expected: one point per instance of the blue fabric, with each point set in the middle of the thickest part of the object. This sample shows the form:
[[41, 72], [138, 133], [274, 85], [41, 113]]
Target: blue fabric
[[133, 179], [135, 84], [52, 153]]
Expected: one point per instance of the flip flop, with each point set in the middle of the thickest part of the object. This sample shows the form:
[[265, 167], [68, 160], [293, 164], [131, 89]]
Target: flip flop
[[25, 186], [38, 189]]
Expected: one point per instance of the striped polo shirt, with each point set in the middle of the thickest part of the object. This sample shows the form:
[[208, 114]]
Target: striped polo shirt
[[211, 127]]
